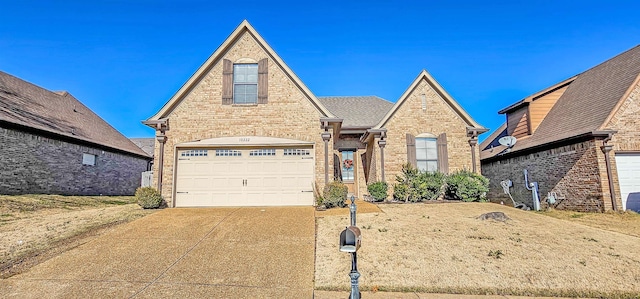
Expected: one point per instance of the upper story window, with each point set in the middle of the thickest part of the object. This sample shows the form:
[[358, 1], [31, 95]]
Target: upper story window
[[245, 83], [426, 154]]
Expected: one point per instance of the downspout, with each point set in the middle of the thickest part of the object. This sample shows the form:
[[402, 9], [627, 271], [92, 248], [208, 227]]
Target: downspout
[[606, 149]]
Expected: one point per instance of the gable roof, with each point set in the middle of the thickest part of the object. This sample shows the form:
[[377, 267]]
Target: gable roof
[[587, 104], [424, 75], [357, 111], [27, 105], [218, 54]]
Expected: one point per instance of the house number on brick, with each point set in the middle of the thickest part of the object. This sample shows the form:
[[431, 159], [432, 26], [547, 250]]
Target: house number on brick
[[245, 139]]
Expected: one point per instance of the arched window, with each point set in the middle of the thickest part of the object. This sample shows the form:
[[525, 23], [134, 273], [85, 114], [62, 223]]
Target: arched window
[[427, 152]]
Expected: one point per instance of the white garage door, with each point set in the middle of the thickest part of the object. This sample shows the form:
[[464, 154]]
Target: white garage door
[[629, 176], [244, 177]]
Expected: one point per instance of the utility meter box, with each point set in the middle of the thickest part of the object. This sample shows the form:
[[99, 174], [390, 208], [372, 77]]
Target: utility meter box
[[350, 239]]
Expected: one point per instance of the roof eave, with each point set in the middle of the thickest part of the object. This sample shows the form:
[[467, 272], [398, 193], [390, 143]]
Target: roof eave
[[554, 143], [71, 138]]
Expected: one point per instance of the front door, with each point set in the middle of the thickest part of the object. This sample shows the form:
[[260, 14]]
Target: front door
[[348, 167]]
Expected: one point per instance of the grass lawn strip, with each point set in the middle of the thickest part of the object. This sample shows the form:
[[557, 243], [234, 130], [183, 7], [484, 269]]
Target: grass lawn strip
[[33, 224], [626, 223], [445, 249]]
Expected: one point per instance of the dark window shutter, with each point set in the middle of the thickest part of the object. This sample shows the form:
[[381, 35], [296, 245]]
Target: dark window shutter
[[227, 82], [263, 81], [411, 150], [443, 155], [337, 170]]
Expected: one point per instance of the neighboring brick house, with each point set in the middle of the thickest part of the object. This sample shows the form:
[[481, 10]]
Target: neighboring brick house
[[53, 144], [245, 130], [579, 139]]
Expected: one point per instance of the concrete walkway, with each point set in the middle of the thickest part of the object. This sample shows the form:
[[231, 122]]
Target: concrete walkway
[[185, 253], [392, 295]]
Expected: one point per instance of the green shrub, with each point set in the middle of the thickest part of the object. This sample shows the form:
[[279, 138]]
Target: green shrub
[[335, 194], [378, 190], [400, 192], [467, 186], [414, 185], [428, 186], [148, 198]]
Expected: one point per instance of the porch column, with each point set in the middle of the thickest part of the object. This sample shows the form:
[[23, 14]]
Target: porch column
[[606, 149], [473, 142], [162, 138], [381, 143], [326, 136]]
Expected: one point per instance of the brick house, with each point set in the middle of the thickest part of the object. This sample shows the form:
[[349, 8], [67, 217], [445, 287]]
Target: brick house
[[53, 144], [245, 130], [579, 139]]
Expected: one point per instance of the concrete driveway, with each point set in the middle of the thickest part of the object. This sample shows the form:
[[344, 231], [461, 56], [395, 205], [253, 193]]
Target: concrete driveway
[[185, 253]]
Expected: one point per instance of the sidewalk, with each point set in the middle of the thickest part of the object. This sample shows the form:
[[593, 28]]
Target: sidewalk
[[393, 295]]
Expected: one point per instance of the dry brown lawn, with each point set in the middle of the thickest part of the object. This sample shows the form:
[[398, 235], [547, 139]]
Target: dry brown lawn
[[31, 225], [626, 223], [444, 248]]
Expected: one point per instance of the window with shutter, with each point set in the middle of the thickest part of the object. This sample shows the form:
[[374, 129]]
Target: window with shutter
[[426, 154], [443, 155], [245, 83], [411, 150]]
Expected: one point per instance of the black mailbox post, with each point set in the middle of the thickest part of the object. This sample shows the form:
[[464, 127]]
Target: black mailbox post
[[350, 239]]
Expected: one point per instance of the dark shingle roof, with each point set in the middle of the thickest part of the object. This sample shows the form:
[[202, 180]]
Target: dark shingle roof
[[28, 105], [357, 111], [146, 144], [587, 102]]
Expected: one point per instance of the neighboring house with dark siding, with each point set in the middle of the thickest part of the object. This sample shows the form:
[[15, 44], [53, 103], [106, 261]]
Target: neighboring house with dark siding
[[579, 139], [53, 144]]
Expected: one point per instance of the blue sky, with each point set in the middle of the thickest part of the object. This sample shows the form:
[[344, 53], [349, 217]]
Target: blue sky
[[125, 58]]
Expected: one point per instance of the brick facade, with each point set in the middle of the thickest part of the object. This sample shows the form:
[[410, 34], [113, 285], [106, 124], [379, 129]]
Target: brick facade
[[437, 118], [575, 172], [32, 164], [197, 112], [201, 115]]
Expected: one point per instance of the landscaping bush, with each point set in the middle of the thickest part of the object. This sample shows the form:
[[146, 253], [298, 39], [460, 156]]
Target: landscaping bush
[[428, 186], [467, 186], [148, 198], [335, 194], [414, 185], [378, 190]]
